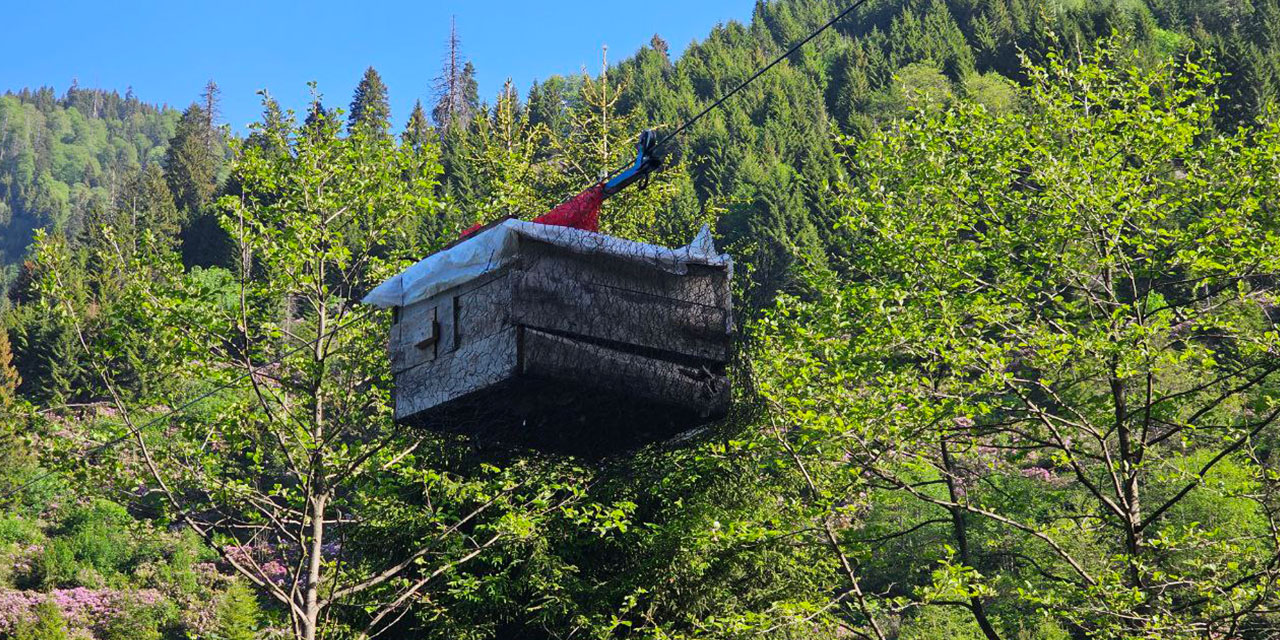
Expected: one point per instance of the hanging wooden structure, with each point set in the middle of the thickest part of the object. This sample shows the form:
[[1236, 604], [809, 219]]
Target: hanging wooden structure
[[561, 338], [549, 334]]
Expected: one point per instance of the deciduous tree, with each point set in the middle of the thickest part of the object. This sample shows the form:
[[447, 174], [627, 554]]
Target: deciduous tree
[[1058, 342], [299, 480]]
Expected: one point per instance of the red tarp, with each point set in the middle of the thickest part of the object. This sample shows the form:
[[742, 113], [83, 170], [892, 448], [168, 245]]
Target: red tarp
[[580, 212]]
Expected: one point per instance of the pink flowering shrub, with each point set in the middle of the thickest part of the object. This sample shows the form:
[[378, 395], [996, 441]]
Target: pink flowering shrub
[[15, 607], [82, 608], [1038, 473], [272, 561]]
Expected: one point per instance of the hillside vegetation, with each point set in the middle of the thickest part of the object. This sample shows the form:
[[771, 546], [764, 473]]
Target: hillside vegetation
[[1007, 368], [62, 158]]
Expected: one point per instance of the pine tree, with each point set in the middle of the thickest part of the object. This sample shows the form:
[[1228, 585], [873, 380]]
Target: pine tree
[[211, 99], [849, 87], [417, 131], [9, 378], [470, 91], [190, 167], [369, 106], [268, 135], [658, 44], [142, 218], [446, 84], [237, 615], [316, 115], [505, 160], [151, 206], [987, 43], [947, 43], [546, 105]]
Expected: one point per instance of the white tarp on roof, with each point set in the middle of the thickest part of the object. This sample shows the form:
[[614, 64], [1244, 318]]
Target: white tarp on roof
[[494, 247]]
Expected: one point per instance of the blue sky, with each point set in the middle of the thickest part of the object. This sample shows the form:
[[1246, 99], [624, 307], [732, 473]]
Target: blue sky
[[167, 50]]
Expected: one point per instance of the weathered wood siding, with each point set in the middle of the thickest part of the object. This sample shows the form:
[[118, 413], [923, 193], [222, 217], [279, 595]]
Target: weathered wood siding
[[651, 379], [593, 324], [562, 303]]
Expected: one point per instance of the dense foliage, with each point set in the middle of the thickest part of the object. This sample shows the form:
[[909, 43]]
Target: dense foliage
[[63, 158], [1006, 273]]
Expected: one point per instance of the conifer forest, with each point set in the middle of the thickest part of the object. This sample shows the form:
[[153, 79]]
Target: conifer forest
[[1005, 360]]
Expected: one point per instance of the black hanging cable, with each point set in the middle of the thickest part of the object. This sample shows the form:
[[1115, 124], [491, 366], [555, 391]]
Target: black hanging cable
[[763, 70], [649, 153], [110, 444]]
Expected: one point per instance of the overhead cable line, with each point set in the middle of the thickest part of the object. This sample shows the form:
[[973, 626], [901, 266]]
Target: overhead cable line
[[759, 72], [649, 146]]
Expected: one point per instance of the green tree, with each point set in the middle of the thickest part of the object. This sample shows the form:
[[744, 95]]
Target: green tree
[[599, 139], [417, 130], [190, 166], [309, 486], [211, 98], [48, 624], [992, 91], [1051, 347], [134, 622], [272, 126], [470, 91], [509, 178], [369, 106], [9, 378], [238, 615], [145, 207], [546, 104]]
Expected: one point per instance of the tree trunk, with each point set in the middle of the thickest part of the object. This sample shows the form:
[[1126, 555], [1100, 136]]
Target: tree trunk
[[961, 532], [311, 607]]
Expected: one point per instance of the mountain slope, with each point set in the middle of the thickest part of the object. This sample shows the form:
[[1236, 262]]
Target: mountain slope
[[63, 157]]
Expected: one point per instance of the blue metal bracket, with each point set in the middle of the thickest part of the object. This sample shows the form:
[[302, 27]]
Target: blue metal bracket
[[646, 162]]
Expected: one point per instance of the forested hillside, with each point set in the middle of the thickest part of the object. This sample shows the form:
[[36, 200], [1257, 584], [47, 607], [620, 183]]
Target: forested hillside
[[62, 157], [1006, 367], [765, 161], [66, 162]]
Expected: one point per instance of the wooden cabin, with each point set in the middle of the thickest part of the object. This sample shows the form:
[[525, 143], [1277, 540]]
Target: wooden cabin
[[563, 339]]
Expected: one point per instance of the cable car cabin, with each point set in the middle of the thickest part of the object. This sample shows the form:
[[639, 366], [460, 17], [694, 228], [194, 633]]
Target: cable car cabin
[[561, 339]]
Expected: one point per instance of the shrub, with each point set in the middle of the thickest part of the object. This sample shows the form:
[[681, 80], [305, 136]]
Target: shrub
[[237, 614], [936, 622], [134, 622], [99, 535], [47, 624], [56, 566], [19, 530]]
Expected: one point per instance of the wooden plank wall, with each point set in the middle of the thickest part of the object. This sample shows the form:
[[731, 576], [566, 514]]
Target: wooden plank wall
[[474, 366], [523, 321], [617, 300], [556, 357], [702, 284], [561, 303]]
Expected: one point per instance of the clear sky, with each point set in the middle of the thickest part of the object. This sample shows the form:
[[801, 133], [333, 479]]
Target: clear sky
[[166, 50]]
